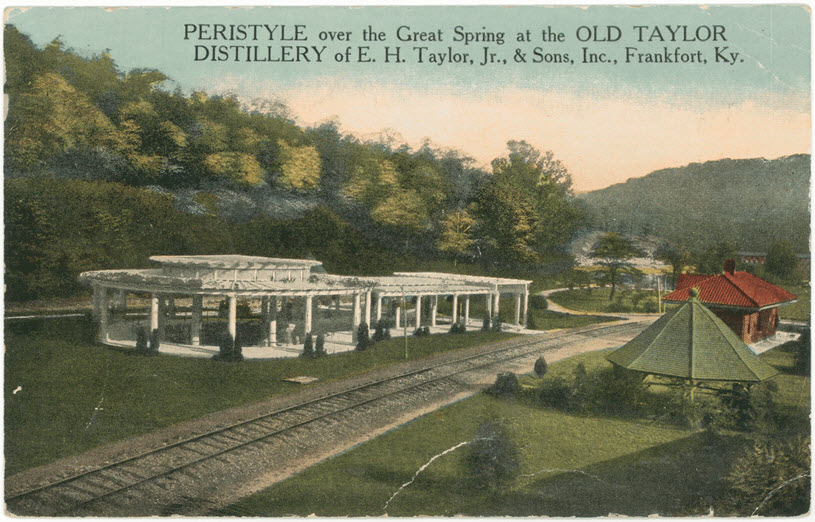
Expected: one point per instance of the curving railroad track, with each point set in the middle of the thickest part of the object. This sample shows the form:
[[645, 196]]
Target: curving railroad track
[[189, 476]]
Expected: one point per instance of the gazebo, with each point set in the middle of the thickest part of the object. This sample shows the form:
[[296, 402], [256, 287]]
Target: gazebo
[[289, 294], [692, 343]]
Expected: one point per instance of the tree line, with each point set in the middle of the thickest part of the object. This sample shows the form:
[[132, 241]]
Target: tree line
[[82, 118]]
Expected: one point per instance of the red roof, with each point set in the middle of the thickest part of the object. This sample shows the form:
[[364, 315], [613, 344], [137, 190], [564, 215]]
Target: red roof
[[741, 289]]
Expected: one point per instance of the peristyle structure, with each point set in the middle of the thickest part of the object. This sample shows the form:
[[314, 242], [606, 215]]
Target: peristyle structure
[[746, 303], [292, 297]]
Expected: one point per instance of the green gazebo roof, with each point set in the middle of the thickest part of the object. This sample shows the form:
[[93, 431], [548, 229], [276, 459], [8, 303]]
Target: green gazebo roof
[[690, 342]]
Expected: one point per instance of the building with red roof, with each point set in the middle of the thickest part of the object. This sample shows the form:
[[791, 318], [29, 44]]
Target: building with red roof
[[746, 303]]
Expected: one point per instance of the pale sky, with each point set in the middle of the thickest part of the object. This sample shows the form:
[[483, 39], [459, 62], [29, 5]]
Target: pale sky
[[606, 123]]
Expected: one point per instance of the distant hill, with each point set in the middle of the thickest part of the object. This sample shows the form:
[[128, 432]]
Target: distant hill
[[752, 202]]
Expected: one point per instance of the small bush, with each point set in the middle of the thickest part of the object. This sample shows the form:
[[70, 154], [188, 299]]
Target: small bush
[[308, 347], [803, 355], [319, 348], [617, 307], [506, 383], [363, 338], [458, 328], [422, 331], [492, 457], [237, 347], [538, 302], [749, 407], [530, 322], [650, 306], [229, 349], [541, 367], [485, 324]]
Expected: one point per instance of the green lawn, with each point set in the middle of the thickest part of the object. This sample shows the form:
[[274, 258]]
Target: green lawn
[[546, 320], [597, 300], [75, 395], [800, 310], [571, 465]]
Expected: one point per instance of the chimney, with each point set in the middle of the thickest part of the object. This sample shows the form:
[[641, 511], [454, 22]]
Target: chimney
[[729, 266]]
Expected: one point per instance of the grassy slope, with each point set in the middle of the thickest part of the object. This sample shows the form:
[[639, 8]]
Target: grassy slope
[[571, 465], [75, 395]]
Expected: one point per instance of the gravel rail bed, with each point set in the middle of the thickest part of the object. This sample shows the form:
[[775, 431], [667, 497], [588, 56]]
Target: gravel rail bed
[[220, 458]]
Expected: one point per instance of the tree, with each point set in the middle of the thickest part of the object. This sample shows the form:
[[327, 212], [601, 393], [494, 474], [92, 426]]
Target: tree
[[711, 261], [781, 259], [455, 234], [613, 252], [675, 256], [527, 207], [541, 367]]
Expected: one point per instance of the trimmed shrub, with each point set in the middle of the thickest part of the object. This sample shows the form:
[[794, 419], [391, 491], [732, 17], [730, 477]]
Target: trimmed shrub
[[229, 349], [538, 302], [485, 324], [319, 348], [458, 328], [308, 347], [155, 341], [363, 338], [422, 331], [497, 324], [749, 407], [382, 331], [506, 383], [141, 341], [530, 321], [492, 457], [237, 347], [541, 366]]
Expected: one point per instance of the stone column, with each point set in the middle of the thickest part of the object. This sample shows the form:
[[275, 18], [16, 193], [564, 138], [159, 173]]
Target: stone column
[[97, 295], [517, 309], [466, 309], [398, 316], [497, 307], [434, 308], [154, 312], [121, 301], [488, 302], [197, 312], [162, 316], [526, 306], [455, 308], [356, 318], [233, 316], [272, 339], [103, 314], [418, 311], [307, 323], [378, 307], [368, 308]]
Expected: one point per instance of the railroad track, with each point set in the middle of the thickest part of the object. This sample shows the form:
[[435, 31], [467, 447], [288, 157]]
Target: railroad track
[[179, 478]]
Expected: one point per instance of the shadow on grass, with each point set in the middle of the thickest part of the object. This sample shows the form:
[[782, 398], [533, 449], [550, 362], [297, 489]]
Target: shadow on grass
[[681, 478]]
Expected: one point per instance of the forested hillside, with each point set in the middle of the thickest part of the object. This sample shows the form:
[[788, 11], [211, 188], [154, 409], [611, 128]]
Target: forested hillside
[[750, 202], [105, 167]]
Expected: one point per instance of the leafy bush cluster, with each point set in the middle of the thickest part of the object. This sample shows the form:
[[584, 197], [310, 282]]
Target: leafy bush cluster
[[505, 384], [771, 478], [364, 340], [147, 343], [620, 392], [382, 331]]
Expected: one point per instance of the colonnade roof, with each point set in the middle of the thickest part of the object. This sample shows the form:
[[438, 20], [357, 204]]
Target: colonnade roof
[[234, 262], [497, 283], [438, 284]]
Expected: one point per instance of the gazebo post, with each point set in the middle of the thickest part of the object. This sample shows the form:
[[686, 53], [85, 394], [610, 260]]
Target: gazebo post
[[517, 309], [526, 306], [497, 308], [418, 311], [378, 307], [398, 311], [466, 309], [434, 307], [197, 312], [356, 318], [488, 303], [368, 308]]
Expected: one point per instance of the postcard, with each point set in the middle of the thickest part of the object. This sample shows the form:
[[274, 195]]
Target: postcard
[[407, 261]]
